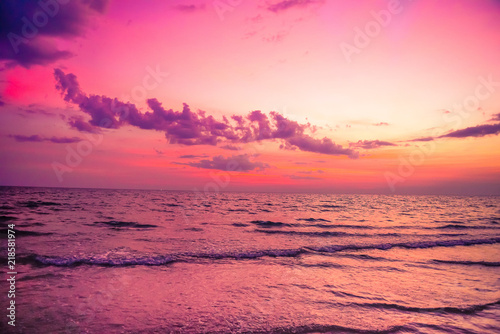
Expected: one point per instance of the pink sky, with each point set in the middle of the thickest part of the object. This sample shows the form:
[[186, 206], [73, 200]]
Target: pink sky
[[343, 89]]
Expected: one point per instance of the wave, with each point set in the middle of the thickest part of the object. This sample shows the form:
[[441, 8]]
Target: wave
[[314, 234], [470, 263], [193, 229], [36, 204], [313, 219], [237, 210], [462, 227], [6, 218], [417, 244], [293, 329], [127, 259], [99, 260], [366, 257], [24, 233], [352, 226], [119, 224], [152, 260], [268, 223], [316, 328], [240, 224], [331, 206], [443, 309], [335, 226]]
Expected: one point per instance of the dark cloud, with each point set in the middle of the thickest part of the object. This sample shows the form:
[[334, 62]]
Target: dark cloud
[[159, 152], [34, 109], [29, 29], [371, 144], [423, 139], [37, 138], [474, 131], [1, 102], [191, 156], [230, 147], [287, 4], [495, 118], [189, 8], [63, 140], [234, 163], [79, 124], [324, 146], [21, 138], [188, 127]]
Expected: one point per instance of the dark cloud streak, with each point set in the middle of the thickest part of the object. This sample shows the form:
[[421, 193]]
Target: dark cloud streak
[[287, 4], [371, 144], [474, 131], [37, 139]]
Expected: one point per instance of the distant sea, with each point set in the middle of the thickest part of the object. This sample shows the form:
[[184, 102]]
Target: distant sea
[[140, 261]]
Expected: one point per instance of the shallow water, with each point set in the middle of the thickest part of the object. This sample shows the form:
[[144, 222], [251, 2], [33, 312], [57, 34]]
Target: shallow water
[[120, 261]]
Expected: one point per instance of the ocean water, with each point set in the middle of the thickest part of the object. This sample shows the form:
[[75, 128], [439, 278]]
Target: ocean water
[[137, 261]]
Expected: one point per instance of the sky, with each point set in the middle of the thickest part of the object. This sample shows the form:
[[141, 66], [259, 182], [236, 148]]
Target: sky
[[386, 97]]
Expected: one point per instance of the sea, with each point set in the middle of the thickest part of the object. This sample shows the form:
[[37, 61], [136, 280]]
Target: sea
[[151, 261]]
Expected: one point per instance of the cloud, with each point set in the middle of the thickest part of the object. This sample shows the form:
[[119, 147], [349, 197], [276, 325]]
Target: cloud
[[300, 177], [21, 138], [495, 118], [423, 139], [310, 172], [287, 4], [189, 8], [37, 138], [276, 38], [233, 163], [29, 29], [191, 156], [371, 144], [188, 127], [34, 109], [324, 146], [79, 124], [380, 124], [1, 102], [474, 131], [63, 140], [230, 147], [159, 152]]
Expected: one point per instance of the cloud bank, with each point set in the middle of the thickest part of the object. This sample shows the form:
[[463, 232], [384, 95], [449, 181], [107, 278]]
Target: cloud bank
[[474, 131], [37, 138], [187, 127]]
